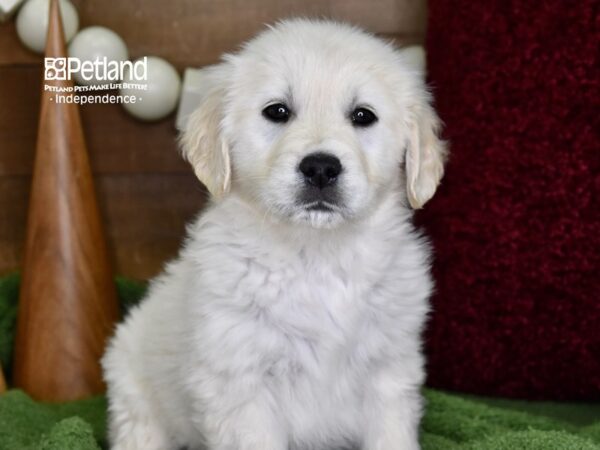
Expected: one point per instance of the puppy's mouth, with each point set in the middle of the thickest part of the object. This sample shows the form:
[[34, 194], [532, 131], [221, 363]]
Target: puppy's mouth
[[319, 213], [322, 206], [320, 200]]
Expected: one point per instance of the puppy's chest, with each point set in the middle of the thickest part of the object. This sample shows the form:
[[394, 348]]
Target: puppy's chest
[[310, 317], [310, 298], [306, 312]]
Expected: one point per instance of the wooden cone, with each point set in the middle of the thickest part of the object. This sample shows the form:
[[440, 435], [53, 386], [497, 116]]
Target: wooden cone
[[68, 303]]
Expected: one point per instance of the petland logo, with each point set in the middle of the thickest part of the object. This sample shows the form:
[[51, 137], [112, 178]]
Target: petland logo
[[101, 69], [94, 76]]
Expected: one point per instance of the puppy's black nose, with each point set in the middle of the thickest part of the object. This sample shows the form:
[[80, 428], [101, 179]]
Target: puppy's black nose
[[320, 169]]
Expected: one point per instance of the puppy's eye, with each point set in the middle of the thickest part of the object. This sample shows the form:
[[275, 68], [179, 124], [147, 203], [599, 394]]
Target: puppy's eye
[[277, 112], [362, 117]]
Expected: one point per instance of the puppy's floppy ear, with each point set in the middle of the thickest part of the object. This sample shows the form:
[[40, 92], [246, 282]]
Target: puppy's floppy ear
[[425, 155], [202, 142]]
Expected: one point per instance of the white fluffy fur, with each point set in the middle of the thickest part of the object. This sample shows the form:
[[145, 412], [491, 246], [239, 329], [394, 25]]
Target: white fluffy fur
[[279, 327]]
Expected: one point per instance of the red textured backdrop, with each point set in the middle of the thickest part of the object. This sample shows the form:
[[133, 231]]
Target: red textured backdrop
[[515, 225]]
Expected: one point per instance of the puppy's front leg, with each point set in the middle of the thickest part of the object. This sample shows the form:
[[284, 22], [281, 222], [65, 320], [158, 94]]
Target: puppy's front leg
[[395, 426], [249, 426], [393, 415]]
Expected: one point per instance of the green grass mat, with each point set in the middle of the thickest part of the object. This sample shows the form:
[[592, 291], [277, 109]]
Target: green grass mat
[[452, 422]]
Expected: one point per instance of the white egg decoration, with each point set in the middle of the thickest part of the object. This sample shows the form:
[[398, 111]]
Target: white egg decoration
[[97, 45], [160, 97], [32, 23]]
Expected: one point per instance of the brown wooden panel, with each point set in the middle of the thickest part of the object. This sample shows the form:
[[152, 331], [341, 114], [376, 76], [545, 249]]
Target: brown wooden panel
[[11, 49], [145, 218], [117, 142], [197, 32], [14, 193]]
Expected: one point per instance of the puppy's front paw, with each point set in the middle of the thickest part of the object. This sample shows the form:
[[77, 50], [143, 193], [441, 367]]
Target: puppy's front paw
[[405, 444], [140, 434], [251, 442]]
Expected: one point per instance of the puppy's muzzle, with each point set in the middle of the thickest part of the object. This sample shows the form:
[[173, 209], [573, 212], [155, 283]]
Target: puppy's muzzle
[[320, 170]]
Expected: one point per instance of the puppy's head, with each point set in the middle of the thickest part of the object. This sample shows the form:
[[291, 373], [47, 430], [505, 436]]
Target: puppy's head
[[315, 122]]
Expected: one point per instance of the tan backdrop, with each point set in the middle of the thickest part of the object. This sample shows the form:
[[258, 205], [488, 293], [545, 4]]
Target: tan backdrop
[[146, 192]]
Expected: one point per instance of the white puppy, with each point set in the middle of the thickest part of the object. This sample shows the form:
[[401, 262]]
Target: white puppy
[[292, 318]]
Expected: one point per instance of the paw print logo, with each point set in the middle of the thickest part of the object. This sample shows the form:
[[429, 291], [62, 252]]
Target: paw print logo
[[55, 68]]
